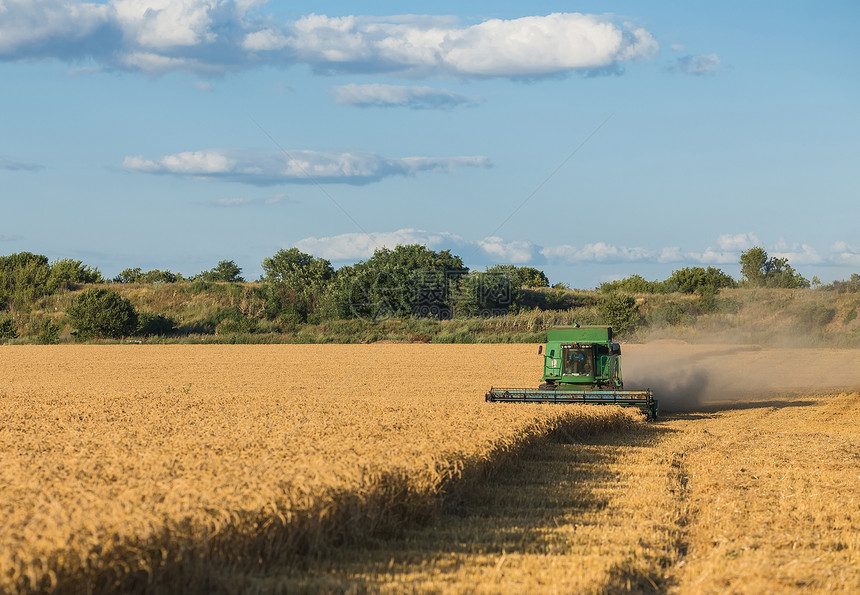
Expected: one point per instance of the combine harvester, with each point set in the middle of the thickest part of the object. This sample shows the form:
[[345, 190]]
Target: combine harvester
[[581, 364]]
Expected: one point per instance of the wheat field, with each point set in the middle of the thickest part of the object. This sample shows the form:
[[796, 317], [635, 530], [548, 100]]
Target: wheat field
[[380, 468], [125, 467]]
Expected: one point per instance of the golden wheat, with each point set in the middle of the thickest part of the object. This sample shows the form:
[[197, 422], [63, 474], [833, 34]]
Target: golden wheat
[[125, 467]]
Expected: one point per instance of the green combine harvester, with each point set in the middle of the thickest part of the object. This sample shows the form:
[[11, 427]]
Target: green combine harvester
[[581, 364]]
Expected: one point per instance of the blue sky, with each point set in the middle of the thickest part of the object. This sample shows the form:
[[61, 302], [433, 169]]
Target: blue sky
[[592, 140]]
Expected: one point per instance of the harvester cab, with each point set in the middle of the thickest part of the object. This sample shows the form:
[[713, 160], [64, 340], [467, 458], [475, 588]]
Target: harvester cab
[[582, 364]]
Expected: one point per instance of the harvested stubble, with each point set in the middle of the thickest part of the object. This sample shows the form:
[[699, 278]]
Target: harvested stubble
[[128, 467]]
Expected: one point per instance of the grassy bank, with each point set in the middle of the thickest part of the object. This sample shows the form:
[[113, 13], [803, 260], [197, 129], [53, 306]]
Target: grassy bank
[[236, 313]]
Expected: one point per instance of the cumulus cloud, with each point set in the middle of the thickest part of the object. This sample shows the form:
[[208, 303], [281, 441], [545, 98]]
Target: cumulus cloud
[[597, 252], [843, 253], [377, 95], [697, 65], [351, 247], [524, 47], [157, 36], [727, 250], [797, 253], [294, 167], [359, 246], [507, 252]]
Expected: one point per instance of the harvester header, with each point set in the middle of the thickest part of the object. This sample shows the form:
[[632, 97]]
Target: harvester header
[[581, 364]]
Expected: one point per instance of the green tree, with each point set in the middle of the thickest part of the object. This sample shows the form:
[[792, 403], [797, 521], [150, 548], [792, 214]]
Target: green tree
[[632, 284], [484, 294], [296, 284], [296, 269], [225, 270], [620, 311], [102, 313], [761, 271], [521, 276], [24, 278], [410, 280], [66, 272], [699, 280], [134, 275]]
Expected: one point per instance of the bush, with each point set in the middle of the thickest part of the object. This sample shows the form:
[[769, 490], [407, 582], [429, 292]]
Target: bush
[[814, 316], [7, 329], [155, 324], [699, 280], [620, 312], [102, 313], [632, 284], [670, 314], [49, 332]]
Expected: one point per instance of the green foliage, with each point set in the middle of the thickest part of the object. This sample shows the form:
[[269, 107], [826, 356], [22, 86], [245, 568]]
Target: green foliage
[[26, 277], [632, 284], [521, 276], [484, 294], [407, 281], [761, 271], [225, 270], [66, 272], [850, 317], [852, 285], [620, 312], [296, 285], [136, 275], [102, 313], [671, 314], [8, 329], [49, 332], [294, 268], [149, 324], [23, 279], [699, 280]]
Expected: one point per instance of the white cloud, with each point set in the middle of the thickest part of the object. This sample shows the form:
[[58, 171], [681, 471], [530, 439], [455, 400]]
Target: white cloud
[[360, 246], [507, 252], [796, 253], [28, 26], [294, 167], [697, 65], [843, 253], [157, 36], [529, 46], [597, 252], [738, 241], [351, 247], [377, 95], [165, 24]]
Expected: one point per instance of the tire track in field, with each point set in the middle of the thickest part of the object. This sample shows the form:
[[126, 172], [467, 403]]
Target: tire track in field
[[596, 514]]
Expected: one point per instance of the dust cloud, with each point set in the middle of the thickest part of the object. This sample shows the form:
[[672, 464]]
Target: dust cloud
[[687, 377]]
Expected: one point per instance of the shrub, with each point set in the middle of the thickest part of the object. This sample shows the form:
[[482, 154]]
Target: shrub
[[49, 332], [7, 329], [155, 324], [632, 284], [670, 314], [620, 312], [102, 313], [814, 316]]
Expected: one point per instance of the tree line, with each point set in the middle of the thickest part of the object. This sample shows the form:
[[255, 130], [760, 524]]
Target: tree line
[[297, 288]]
